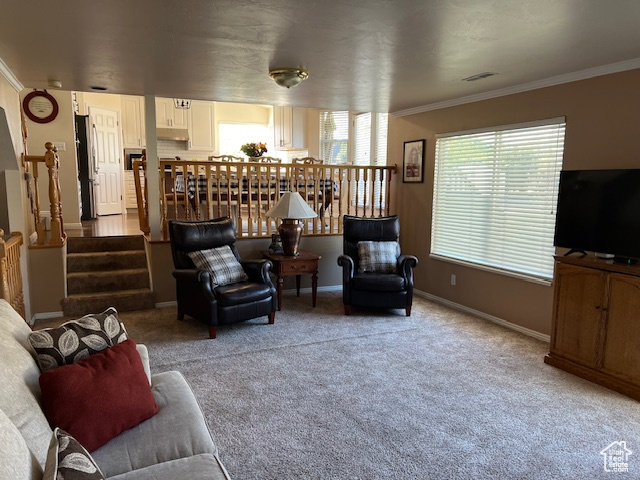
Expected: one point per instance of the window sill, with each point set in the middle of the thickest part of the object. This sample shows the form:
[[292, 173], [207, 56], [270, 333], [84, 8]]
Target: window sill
[[520, 276]]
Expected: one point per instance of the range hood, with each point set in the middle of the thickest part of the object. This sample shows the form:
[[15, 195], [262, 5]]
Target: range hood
[[172, 134]]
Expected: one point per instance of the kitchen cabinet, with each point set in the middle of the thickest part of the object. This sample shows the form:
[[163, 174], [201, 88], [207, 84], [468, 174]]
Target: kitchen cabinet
[[168, 116], [596, 322], [132, 113], [290, 127], [202, 126], [130, 200]]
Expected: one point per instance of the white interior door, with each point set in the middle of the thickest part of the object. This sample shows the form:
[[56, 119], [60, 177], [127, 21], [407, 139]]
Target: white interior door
[[108, 175]]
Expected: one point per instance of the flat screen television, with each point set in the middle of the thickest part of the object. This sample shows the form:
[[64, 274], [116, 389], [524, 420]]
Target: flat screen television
[[599, 211]]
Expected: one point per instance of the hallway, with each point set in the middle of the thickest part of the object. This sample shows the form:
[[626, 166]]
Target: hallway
[[108, 226]]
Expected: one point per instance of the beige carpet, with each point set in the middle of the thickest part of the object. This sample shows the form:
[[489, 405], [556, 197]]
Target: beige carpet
[[377, 395]]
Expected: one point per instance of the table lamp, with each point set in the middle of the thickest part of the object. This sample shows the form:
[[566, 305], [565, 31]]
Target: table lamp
[[290, 208]]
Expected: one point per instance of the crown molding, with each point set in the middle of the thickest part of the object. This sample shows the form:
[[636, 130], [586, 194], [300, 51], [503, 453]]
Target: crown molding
[[11, 78], [525, 87]]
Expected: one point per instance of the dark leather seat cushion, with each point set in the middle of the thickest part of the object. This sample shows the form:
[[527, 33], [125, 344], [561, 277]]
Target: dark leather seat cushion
[[242, 292], [378, 282]]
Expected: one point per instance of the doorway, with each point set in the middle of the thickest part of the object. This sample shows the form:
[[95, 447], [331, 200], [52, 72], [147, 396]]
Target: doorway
[[108, 180]]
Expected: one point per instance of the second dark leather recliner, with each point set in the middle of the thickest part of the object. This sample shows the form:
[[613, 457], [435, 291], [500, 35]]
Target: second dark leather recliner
[[373, 289]]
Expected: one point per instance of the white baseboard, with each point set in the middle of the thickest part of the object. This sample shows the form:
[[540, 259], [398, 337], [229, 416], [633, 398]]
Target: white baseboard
[[73, 226], [44, 316], [486, 316]]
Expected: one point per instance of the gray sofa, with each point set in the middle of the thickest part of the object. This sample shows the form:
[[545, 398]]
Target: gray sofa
[[175, 443]]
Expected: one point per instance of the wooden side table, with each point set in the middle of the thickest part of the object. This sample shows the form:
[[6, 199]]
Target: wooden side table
[[285, 266]]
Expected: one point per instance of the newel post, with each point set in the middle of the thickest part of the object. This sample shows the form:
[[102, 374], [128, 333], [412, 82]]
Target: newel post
[[57, 229]]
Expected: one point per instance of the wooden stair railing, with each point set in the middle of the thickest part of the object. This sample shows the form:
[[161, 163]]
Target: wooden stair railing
[[245, 191], [50, 159], [10, 275]]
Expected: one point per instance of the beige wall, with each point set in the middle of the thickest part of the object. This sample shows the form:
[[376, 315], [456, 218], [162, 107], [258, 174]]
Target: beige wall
[[603, 121], [242, 113], [17, 206], [62, 129], [329, 273]]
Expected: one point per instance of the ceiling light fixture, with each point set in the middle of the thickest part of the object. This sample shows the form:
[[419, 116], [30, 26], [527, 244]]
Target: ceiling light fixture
[[288, 77], [182, 103]]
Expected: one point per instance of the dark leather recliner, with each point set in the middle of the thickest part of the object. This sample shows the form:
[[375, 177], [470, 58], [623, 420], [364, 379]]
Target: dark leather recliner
[[218, 305], [372, 289]]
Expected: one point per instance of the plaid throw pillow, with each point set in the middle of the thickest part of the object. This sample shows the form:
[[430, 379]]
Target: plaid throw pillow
[[221, 263], [379, 257]]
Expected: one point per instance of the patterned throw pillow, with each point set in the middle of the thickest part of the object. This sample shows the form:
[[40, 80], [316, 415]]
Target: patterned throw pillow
[[69, 460], [221, 263], [72, 341], [379, 257]]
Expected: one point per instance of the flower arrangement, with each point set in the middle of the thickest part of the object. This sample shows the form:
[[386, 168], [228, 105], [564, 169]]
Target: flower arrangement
[[254, 149]]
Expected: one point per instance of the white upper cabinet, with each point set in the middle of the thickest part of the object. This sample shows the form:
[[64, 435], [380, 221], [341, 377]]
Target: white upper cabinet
[[201, 126], [133, 132], [167, 116], [290, 127]]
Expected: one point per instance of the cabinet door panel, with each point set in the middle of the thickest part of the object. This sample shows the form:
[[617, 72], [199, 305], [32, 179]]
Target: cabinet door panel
[[622, 345], [578, 314]]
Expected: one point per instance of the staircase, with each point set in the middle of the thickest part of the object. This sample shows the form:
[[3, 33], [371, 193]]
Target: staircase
[[106, 272]]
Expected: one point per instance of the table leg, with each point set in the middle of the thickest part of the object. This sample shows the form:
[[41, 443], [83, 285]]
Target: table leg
[[314, 287], [280, 284], [298, 285]]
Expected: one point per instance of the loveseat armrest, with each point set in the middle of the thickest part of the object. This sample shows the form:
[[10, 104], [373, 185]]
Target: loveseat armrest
[[406, 264], [258, 270], [144, 356]]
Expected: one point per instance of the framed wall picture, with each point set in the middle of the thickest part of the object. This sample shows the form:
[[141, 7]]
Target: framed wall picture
[[413, 161]]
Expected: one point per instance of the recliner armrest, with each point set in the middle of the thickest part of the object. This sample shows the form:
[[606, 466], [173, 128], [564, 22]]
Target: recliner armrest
[[348, 267], [192, 275], [258, 270], [406, 264]]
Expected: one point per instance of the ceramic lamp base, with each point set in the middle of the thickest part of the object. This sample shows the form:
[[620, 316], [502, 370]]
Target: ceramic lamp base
[[290, 232]]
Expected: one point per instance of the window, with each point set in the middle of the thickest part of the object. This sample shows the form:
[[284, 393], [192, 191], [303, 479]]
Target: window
[[334, 137], [495, 195], [371, 149], [233, 135]]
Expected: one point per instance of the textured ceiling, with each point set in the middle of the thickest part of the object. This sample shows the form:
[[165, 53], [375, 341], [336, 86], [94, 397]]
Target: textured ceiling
[[362, 55]]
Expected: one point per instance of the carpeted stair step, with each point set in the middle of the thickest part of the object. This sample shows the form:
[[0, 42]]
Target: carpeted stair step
[[104, 281], [105, 244], [101, 261], [123, 301]]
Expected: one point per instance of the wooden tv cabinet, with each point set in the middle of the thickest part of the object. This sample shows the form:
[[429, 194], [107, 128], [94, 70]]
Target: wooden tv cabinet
[[596, 322]]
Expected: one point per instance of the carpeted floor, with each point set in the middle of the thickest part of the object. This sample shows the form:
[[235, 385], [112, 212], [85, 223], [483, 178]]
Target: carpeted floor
[[376, 395]]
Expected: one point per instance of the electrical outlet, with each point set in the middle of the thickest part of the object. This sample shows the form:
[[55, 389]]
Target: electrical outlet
[[453, 279]]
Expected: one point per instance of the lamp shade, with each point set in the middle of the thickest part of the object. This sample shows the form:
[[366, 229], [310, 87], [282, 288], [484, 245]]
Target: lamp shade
[[291, 205]]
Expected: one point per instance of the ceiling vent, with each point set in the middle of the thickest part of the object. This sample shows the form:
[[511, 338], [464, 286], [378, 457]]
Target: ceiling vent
[[478, 76]]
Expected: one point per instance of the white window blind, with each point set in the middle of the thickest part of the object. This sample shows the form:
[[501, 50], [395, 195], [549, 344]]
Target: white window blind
[[495, 196], [371, 149], [334, 136]]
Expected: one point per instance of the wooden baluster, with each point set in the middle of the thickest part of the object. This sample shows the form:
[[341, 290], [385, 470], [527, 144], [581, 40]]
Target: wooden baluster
[[38, 219], [10, 275], [372, 185], [164, 210], [143, 219], [208, 175], [51, 160]]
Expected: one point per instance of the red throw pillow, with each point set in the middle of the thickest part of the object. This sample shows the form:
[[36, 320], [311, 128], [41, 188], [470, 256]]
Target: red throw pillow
[[100, 396]]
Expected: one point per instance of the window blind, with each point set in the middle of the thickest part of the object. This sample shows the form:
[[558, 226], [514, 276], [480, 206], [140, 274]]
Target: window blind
[[334, 136], [495, 196], [371, 149]]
